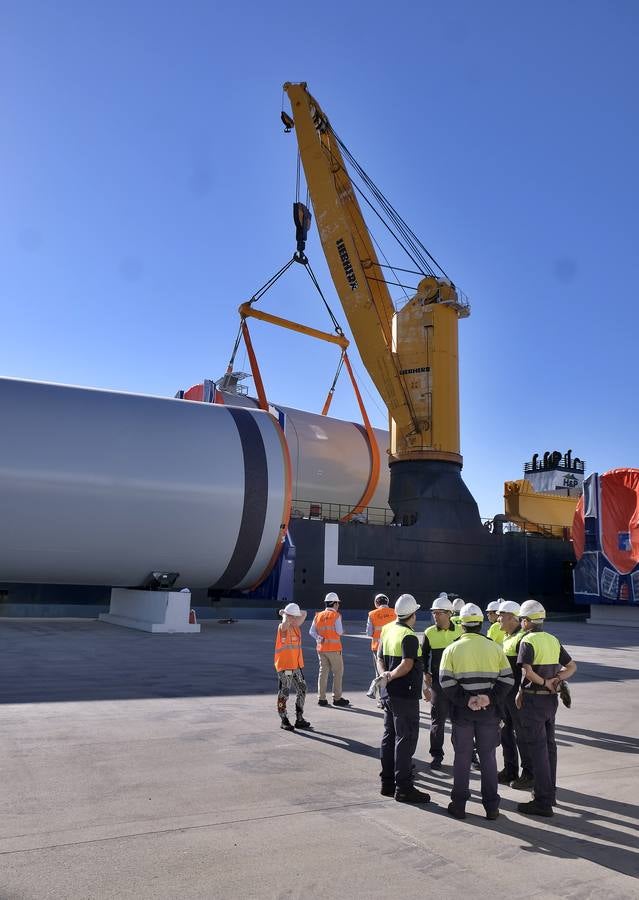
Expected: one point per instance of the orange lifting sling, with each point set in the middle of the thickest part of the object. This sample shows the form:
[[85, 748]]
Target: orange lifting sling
[[247, 311]]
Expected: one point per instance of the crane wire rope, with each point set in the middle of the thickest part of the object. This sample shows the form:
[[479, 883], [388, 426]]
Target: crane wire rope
[[386, 205], [388, 318]]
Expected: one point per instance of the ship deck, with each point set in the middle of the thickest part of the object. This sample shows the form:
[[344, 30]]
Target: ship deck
[[152, 766]]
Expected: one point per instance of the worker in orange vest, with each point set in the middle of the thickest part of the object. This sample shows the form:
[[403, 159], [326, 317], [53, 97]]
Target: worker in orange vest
[[377, 618], [289, 665], [327, 629]]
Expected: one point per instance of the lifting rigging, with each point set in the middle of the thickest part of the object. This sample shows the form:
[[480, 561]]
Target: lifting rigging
[[302, 218]]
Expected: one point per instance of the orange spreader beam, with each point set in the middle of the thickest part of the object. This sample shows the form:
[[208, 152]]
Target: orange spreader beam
[[247, 311]]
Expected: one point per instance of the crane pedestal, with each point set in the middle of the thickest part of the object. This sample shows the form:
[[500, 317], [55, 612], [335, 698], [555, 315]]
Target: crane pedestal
[[432, 494]]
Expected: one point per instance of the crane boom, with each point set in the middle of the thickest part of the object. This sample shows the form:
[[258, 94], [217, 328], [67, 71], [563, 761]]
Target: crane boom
[[411, 354]]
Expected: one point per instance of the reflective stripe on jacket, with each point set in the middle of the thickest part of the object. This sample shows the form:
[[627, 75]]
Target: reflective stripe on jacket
[[288, 649], [324, 623], [379, 617], [475, 664]]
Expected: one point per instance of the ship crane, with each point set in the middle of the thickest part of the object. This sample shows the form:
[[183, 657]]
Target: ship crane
[[411, 354]]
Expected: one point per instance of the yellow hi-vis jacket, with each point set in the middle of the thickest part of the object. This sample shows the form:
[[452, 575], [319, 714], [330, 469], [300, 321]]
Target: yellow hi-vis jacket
[[475, 665]]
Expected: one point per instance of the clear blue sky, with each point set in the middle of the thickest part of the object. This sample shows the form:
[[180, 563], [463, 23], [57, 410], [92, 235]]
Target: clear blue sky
[[147, 188]]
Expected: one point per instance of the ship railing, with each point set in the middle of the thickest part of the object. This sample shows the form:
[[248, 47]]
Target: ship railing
[[323, 511], [536, 529], [334, 512], [577, 466]]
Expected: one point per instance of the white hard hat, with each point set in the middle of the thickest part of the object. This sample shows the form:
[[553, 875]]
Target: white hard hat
[[381, 598], [471, 613], [442, 602], [533, 611], [493, 606], [509, 606], [406, 605], [458, 604], [331, 598], [292, 609]]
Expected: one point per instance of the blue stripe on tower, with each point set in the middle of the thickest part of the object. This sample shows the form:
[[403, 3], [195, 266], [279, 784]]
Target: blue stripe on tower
[[255, 499]]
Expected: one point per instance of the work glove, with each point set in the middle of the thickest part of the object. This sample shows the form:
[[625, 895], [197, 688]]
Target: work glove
[[382, 679]]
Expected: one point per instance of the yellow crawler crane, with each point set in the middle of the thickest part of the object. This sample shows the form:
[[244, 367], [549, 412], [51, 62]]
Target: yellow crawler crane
[[411, 354]]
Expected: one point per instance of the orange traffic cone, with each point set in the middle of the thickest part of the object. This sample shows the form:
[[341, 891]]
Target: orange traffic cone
[[192, 618]]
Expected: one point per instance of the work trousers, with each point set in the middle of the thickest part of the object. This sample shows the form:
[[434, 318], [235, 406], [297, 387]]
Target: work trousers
[[439, 712], [330, 662], [538, 722], [512, 741], [399, 741], [285, 681], [481, 732]]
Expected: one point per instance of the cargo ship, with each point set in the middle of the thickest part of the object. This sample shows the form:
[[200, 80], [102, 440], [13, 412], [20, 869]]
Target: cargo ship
[[248, 504]]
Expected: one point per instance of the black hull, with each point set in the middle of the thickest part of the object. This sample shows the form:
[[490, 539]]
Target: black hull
[[358, 561], [474, 563]]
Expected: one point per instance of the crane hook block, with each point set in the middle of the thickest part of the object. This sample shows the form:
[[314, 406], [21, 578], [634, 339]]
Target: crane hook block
[[302, 218], [288, 123]]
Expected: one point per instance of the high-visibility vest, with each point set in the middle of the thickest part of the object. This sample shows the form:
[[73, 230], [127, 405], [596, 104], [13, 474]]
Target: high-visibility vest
[[496, 634], [325, 627], [510, 643], [288, 649], [392, 636], [440, 638], [475, 663], [547, 650], [379, 617]]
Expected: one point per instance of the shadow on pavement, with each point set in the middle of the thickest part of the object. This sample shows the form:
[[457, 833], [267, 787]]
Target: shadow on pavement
[[602, 740], [584, 826], [341, 742]]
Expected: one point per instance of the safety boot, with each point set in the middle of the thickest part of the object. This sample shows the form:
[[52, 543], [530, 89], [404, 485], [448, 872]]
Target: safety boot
[[523, 783], [411, 795], [533, 808], [457, 812], [286, 725], [301, 722], [505, 777]]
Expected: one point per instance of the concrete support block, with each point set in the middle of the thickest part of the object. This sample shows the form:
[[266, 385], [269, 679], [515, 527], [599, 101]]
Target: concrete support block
[[161, 612], [625, 616]]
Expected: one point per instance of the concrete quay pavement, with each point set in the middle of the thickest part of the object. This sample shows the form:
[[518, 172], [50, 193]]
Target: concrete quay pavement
[[152, 766]]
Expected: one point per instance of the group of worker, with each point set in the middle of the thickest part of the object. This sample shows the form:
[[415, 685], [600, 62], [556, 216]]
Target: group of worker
[[501, 688]]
